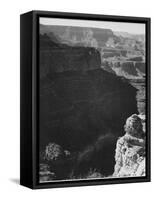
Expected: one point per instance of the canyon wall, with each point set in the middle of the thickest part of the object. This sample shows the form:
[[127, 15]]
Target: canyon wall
[[78, 36], [68, 59]]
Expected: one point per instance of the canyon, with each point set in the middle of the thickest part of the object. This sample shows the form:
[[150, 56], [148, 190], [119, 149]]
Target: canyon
[[120, 52], [83, 109]]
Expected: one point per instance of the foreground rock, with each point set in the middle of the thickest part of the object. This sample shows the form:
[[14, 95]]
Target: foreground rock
[[54, 163], [130, 150]]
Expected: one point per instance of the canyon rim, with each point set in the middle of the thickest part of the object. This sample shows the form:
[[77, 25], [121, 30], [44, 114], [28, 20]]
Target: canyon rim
[[92, 100]]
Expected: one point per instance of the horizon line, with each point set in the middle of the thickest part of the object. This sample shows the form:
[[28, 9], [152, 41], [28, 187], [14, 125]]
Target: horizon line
[[125, 27]]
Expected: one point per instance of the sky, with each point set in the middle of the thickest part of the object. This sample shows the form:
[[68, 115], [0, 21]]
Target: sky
[[133, 28]]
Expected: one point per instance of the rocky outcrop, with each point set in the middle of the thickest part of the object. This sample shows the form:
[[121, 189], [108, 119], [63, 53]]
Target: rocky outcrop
[[130, 150]]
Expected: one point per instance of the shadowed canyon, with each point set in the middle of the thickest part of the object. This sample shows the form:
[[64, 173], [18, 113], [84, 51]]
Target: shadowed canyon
[[91, 81]]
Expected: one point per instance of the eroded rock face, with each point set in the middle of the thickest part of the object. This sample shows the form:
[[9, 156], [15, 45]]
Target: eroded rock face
[[79, 36], [130, 150]]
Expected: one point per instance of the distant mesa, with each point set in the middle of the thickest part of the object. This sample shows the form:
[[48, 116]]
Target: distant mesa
[[79, 36]]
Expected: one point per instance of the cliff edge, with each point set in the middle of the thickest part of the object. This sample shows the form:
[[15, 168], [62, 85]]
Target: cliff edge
[[130, 150]]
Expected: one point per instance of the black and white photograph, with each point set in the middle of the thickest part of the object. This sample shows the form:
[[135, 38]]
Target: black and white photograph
[[76, 100], [92, 100]]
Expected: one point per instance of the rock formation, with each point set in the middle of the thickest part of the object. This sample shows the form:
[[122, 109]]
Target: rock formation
[[127, 69], [130, 150], [54, 152], [79, 36]]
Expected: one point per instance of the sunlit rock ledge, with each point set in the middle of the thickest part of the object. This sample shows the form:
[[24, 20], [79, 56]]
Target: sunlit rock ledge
[[130, 150]]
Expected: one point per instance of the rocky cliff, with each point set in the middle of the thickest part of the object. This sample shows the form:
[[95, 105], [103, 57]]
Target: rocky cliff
[[130, 150], [79, 36]]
